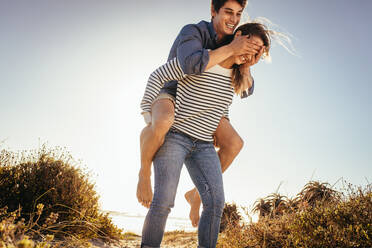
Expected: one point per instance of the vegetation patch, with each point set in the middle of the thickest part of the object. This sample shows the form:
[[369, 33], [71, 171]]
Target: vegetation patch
[[317, 217], [46, 197]]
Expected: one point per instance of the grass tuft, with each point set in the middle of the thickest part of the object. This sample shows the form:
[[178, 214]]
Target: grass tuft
[[320, 217], [47, 197]]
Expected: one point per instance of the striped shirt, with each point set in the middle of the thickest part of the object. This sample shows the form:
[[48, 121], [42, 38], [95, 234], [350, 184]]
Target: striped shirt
[[201, 99]]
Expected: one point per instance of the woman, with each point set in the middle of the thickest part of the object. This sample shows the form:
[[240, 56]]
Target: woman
[[202, 100]]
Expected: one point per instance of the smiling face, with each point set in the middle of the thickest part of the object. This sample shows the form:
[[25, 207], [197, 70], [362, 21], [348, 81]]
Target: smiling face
[[227, 18]]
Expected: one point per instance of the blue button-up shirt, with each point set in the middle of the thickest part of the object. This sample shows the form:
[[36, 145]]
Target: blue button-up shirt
[[191, 49]]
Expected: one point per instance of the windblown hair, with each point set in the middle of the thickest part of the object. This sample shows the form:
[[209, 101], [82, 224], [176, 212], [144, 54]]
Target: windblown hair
[[217, 4], [255, 29]]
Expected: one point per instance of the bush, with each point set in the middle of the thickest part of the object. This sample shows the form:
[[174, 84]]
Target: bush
[[54, 194], [230, 216], [343, 222]]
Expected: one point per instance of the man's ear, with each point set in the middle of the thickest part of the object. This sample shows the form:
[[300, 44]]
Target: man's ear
[[238, 33], [213, 12]]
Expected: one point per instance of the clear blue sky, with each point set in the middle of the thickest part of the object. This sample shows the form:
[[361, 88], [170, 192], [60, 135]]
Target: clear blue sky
[[72, 74]]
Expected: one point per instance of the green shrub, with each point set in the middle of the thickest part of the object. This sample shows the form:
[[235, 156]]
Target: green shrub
[[54, 194]]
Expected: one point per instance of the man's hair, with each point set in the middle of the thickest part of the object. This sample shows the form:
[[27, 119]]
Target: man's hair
[[217, 4]]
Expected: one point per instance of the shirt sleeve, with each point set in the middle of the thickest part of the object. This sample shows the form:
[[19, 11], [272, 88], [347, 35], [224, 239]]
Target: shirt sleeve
[[192, 56], [226, 113], [167, 72], [248, 92]]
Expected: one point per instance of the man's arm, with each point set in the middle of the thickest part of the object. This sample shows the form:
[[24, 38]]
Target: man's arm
[[195, 59], [241, 45]]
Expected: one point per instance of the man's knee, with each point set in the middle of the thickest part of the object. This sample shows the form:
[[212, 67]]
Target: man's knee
[[213, 200], [215, 205], [220, 204], [164, 202], [161, 209]]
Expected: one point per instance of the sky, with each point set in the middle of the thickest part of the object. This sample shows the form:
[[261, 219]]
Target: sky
[[72, 74]]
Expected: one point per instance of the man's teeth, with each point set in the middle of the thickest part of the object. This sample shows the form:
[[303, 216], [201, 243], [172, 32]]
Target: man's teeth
[[230, 26]]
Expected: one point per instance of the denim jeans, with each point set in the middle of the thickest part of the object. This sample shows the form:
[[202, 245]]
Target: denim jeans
[[204, 167]]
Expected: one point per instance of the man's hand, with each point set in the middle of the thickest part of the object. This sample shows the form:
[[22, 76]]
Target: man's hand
[[251, 60], [242, 44]]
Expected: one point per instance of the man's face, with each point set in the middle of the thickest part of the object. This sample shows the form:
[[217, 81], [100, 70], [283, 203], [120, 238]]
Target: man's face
[[227, 18]]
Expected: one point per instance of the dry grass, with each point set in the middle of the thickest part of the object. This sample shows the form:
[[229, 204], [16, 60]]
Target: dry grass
[[130, 236], [343, 222], [47, 201], [45, 196], [181, 238]]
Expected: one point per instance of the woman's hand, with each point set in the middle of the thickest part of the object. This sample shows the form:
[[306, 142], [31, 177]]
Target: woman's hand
[[250, 60]]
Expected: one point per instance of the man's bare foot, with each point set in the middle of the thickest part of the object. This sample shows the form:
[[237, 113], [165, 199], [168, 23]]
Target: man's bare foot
[[193, 198], [144, 191]]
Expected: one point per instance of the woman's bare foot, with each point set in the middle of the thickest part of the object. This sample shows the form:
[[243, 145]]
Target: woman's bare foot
[[193, 198], [144, 190]]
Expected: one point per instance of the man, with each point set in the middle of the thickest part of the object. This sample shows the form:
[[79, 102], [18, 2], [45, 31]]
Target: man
[[198, 47]]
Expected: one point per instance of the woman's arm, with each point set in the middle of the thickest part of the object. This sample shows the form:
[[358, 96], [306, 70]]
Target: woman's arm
[[167, 72]]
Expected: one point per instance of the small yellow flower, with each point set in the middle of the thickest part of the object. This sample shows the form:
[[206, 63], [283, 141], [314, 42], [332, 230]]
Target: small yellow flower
[[49, 237], [25, 243], [40, 208]]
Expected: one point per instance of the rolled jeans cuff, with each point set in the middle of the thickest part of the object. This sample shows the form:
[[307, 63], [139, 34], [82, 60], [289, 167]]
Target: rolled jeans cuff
[[146, 117]]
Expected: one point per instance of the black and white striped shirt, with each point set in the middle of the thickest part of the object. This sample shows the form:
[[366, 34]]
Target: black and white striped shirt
[[201, 99]]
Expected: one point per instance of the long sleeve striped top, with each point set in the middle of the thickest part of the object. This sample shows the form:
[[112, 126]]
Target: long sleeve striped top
[[201, 99]]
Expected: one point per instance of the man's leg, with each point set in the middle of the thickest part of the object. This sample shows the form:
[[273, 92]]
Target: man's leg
[[205, 171], [152, 137], [168, 163], [230, 144]]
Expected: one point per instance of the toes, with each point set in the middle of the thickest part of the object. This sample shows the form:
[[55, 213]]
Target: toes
[[195, 223]]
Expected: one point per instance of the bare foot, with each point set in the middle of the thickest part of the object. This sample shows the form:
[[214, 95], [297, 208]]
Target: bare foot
[[144, 191], [193, 198], [189, 196]]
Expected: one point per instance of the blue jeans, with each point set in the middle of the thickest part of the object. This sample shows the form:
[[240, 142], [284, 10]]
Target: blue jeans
[[204, 167]]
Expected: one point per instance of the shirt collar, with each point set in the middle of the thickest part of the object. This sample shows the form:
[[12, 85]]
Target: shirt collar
[[212, 32]]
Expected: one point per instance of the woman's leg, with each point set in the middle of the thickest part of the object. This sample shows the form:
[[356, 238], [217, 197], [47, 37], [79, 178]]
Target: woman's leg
[[205, 171], [167, 168], [152, 137], [230, 144]]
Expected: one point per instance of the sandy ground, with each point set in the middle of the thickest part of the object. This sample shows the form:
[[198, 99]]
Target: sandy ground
[[179, 239], [170, 240]]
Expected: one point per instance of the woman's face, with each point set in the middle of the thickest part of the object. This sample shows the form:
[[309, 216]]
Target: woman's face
[[242, 59]]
